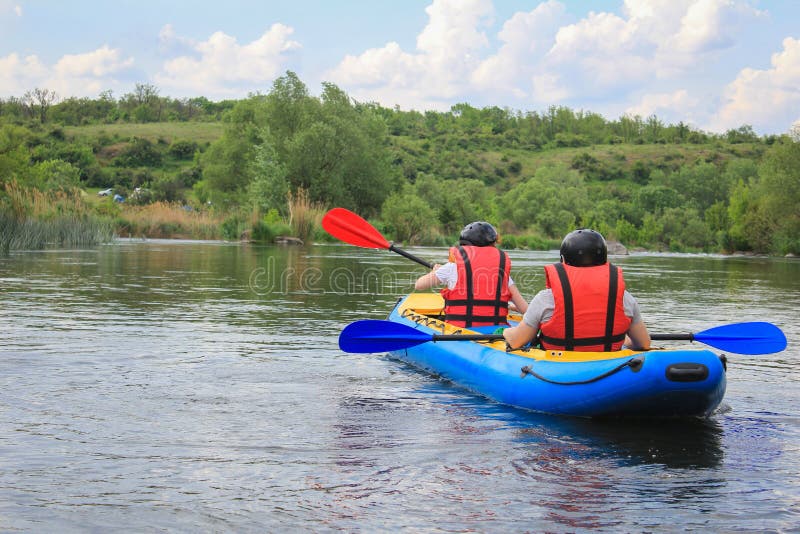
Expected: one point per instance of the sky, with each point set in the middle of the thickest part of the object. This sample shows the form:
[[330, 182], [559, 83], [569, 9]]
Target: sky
[[713, 64]]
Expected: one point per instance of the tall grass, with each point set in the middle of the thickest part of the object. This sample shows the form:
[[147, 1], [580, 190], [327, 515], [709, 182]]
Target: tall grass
[[31, 219], [168, 220], [304, 215]]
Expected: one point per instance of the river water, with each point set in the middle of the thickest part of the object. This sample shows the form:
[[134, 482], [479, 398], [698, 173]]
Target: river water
[[194, 386]]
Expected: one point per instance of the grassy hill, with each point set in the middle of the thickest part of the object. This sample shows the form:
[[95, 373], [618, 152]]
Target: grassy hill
[[200, 132]]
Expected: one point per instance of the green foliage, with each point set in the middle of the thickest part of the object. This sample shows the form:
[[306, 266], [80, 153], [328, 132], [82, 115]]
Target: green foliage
[[778, 194], [551, 202], [226, 163], [233, 227], [262, 232], [55, 174], [537, 174], [270, 185], [657, 198], [140, 152], [408, 218], [183, 149], [14, 154], [329, 147], [594, 169], [455, 202]]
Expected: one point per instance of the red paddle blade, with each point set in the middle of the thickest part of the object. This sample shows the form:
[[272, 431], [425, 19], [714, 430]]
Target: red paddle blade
[[345, 225]]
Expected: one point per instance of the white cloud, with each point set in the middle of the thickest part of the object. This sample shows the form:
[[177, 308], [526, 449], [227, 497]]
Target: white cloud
[[7, 6], [96, 64], [677, 105], [73, 75], [768, 100], [221, 67], [87, 74], [544, 57], [661, 39], [448, 51], [526, 38], [19, 74]]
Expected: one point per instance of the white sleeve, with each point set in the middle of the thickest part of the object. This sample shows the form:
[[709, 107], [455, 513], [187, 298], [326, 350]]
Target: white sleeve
[[447, 274]]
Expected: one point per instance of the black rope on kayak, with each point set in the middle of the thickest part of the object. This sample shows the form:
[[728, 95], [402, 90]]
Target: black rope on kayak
[[422, 319], [634, 363]]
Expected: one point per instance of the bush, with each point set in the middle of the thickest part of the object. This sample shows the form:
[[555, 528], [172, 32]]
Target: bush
[[139, 153], [232, 228], [183, 149], [508, 242], [262, 232], [409, 217]]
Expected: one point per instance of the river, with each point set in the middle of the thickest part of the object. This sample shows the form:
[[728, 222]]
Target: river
[[197, 386]]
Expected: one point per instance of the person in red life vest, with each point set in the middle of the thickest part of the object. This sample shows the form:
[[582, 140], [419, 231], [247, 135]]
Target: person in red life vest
[[584, 306], [478, 285]]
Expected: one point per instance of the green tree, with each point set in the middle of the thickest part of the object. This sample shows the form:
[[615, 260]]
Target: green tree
[[550, 201], [269, 188], [140, 152], [339, 154], [226, 163], [456, 202], [14, 154], [778, 194], [56, 174], [408, 218], [656, 198]]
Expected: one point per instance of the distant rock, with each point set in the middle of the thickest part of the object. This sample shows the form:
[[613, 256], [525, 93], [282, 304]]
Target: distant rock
[[615, 248]]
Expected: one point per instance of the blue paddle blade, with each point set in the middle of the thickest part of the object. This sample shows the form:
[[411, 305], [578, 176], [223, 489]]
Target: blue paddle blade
[[744, 338], [372, 335]]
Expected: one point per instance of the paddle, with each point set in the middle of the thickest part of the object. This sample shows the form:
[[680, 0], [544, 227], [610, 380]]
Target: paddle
[[741, 338], [347, 226], [372, 335]]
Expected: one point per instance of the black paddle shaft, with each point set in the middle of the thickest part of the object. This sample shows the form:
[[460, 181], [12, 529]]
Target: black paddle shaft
[[466, 337], [672, 337], [410, 256]]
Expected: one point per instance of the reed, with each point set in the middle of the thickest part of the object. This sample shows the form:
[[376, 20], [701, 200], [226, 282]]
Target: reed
[[31, 219], [168, 220], [304, 215]]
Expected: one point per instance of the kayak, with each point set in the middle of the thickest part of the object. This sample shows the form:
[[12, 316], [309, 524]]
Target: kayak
[[655, 383]]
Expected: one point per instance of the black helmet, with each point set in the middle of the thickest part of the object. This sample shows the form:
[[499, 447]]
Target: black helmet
[[478, 234], [584, 248]]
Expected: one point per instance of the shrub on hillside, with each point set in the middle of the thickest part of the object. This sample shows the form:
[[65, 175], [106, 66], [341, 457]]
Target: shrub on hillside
[[183, 149], [140, 152]]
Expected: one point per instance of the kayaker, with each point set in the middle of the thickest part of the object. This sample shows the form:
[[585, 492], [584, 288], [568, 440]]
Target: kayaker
[[584, 306], [478, 284]]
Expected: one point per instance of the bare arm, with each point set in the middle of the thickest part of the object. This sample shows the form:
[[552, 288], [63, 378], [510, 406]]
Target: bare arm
[[519, 302], [517, 336], [638, 337], [427, 281]]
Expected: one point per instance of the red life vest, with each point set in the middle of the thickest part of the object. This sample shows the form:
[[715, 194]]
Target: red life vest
[[480, 296], [589, 312]]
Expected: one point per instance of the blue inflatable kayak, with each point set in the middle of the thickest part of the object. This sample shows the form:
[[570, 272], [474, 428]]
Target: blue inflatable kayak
[[656, 383]]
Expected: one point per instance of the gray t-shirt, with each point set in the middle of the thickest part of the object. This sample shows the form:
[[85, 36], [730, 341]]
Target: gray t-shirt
[[543, 305]]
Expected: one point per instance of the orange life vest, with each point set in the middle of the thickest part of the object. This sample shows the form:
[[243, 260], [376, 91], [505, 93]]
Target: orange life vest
[[589, 312], [480, 296]]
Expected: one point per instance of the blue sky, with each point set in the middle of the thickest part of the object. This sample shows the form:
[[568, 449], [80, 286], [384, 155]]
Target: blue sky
[[716, 64]]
